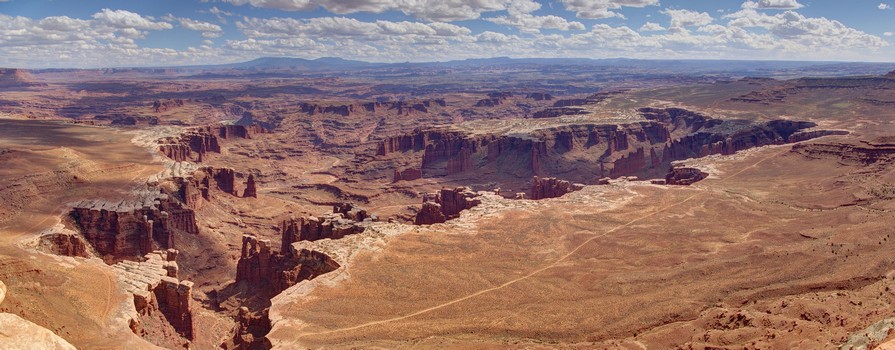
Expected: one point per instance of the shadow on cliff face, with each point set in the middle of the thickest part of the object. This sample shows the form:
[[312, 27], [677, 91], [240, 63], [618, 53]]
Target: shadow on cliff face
[[580, 152]]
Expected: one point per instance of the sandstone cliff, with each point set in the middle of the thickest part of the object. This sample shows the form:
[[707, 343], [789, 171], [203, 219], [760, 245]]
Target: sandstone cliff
[[14, 78], [194, 144], [160, 299], [678, 175], [345, 220], [133, 228], [585, 152], [445, 205], [264, 269], [551, 187]]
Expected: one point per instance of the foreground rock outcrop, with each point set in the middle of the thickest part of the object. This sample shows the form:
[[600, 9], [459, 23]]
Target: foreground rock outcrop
[[19, 333]]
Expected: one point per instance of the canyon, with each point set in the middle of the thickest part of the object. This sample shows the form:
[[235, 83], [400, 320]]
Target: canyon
[[343, 212]]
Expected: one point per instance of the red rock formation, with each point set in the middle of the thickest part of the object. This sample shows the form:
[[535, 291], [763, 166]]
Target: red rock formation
[[196, 142], [134, 228], [262, 268], [570, 102], [445, 205], [489, 102], [551, 187], [201, 185], [539, 96], [11, 77], [813, 134], [129, 229], [644, 148], [460, 162], [684, 176], [397, 107], [352, 212], [344, 220], [162, 106], [881, 150], [174, 299], [158, 295], [176, 151], [408, 174], [429, 214], [251, 330], [64, 242], [250, 190]]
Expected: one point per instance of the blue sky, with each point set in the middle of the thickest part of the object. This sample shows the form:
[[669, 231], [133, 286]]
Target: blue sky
[[106, 33]]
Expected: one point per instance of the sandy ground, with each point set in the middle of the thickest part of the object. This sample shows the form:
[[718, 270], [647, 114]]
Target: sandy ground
[[78, 299], [628, 264]]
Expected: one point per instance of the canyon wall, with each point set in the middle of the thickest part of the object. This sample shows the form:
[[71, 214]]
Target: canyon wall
[[880, 150], [551, 187], [133, 228], [259, 265], [585, 152], [273, 271], [346, 219], [160, 299], [195, 143], [445, 205], [397, 107]]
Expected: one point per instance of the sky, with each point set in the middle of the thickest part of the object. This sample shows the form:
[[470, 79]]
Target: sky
[[138, 33]]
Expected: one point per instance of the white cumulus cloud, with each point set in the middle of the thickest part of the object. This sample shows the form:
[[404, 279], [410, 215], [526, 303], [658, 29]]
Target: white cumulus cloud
[[604, 8], [773, 4], [651, 27]]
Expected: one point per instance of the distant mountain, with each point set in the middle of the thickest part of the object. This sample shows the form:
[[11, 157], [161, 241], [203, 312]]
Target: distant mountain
[[324, 63], [11, 77], [287, 66]]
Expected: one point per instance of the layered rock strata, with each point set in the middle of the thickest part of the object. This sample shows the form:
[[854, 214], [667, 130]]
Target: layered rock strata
[[156, 289], [251, 189], [132, 228], [195, 143], [346, 219], [551, 187], [65, 242], [445, 205], [584, 152], [680, 175], [880, 150], [265, 269]]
